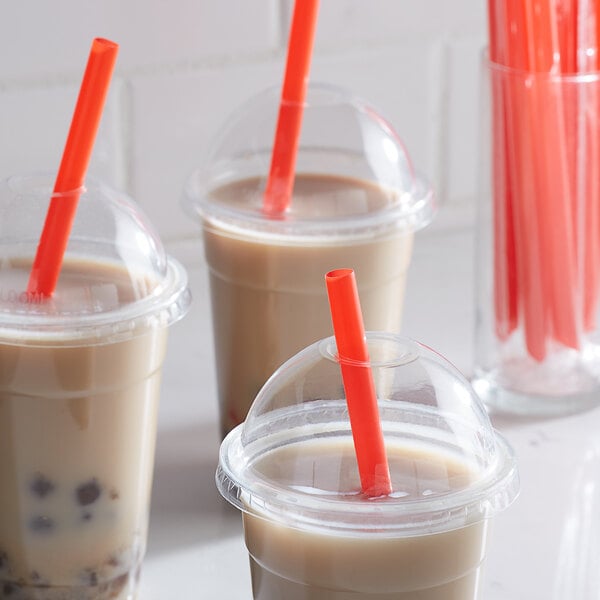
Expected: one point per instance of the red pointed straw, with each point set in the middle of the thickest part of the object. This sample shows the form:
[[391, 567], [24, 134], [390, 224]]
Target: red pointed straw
[[519, 116], [278, 192], [71, 174], [567, 27], [505, 266], [587, 204], [593, 229], [361, 397], [553, 189], [566, 21]]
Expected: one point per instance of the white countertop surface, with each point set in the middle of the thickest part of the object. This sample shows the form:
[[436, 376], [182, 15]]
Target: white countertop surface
[[546, 546]]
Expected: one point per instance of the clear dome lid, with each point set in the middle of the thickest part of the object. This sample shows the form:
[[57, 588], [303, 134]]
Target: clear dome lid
[[292, 460], [353, 174], [116, 279]]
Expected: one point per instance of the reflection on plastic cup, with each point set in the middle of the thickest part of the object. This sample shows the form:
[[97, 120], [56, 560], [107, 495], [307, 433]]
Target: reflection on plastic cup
[[79, 390], [291, 470], [577, 572], [356, 203]]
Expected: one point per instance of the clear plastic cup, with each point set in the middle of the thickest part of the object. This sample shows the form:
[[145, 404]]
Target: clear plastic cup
[[357, 203], [537, 338], [311, 533], [79, 391]]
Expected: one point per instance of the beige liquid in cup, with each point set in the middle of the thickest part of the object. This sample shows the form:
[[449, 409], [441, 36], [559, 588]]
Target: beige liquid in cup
[[268, 295], [294, 564], [77, 438]]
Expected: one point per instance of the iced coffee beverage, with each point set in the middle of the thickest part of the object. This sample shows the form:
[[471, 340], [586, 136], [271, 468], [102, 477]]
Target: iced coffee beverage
[[312, 534], [353, 205], [79, 391]]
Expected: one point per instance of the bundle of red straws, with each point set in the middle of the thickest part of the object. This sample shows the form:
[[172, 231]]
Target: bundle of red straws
[[546, 170]]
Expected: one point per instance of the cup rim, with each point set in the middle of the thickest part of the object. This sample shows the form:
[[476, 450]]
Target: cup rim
[[547, 76], [402, 518]]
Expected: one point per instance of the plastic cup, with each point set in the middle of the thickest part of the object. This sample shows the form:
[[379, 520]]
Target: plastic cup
[[79, 390], [537, 339], [311, 533], [356, 203]]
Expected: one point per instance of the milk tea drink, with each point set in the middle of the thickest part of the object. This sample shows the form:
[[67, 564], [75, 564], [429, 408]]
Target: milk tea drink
[[286, 562], [310, 532], [353, 205], [267, 295], [77, 431], [79, 389]]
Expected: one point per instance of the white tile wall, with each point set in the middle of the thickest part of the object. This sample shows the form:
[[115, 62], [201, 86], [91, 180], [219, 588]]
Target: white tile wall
[[185, 64]]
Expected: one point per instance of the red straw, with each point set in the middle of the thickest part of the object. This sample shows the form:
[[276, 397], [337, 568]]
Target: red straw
[[553, 126], [587, 208], [351, 343], [505, 266], [566, 20], [519, 120], [280, 183], [71, 174], [552, 173]]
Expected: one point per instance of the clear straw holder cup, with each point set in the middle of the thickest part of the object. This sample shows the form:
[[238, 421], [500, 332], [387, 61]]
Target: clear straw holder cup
[[537, 348]]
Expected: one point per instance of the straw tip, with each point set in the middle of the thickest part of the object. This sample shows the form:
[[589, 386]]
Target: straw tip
[[277, 196], [105, 44], [337, 274], [378, 490]]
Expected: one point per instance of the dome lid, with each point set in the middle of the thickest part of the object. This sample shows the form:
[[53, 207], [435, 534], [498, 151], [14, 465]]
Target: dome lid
[[449, 467], [116, 279], [367, 180]]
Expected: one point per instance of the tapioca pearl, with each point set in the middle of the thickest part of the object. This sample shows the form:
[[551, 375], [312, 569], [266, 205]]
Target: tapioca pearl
[[35, 577], [87, 493], [10, 589], [41, 486], [38, 580], [89, 577], [42, 524], [113, 562], [119, 583], [103, 588]]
